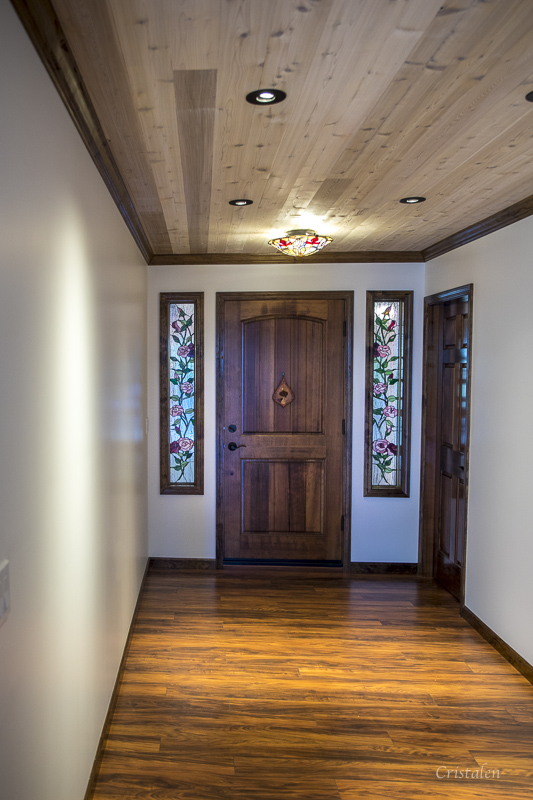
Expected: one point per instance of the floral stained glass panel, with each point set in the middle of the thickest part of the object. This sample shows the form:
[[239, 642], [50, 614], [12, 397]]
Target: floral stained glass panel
[[388, 393], [182, 381]]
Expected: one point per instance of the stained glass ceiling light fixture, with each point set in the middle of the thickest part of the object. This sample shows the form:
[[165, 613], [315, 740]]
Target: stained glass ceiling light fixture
[[300, 242]]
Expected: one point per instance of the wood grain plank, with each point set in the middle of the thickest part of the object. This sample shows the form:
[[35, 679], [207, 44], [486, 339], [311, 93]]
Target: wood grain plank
[[195, 92], [267, 385]]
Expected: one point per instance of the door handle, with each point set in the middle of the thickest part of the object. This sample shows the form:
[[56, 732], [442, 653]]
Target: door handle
[[234, 446]]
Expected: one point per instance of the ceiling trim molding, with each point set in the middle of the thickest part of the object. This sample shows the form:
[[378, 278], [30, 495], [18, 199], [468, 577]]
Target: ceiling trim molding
[[44, 29], [508, 216], [357, 257]]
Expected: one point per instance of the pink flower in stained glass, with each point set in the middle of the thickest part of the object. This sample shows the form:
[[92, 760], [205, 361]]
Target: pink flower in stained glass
[[183, 350], [392, 449], [379, 388], [390, 411], [176, 326], [380, 446], [174, 447], [176, 411], [391, 325], [187, 387], [382, 350], [185, 444]]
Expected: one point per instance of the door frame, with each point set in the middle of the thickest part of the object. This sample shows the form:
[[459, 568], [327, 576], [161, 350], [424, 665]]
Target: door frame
[[348, 297], [429, 467]]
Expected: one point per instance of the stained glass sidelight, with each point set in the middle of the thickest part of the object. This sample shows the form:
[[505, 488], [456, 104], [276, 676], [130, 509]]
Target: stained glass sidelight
[[181, 406], [181, 392], [388, 392]]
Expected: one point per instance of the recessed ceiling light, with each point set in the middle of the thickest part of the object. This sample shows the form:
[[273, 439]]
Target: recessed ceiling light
[[266, 97], [529, 96], [412, 199], [241, 202]]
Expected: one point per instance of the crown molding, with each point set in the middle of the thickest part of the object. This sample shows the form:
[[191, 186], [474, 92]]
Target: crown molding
[[47, 36], [508, 216], [356, 257]]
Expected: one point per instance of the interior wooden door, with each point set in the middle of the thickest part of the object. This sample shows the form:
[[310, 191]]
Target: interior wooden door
[[446, 414], [454, 326], [283, 395]]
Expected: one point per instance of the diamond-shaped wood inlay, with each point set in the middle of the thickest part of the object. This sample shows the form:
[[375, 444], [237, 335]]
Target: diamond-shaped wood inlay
[[283, 395]]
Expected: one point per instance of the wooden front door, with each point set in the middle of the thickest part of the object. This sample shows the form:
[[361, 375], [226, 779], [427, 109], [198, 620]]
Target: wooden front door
[[448, 333], [283, 410]]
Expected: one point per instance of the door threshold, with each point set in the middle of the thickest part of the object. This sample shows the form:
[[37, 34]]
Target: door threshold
[[279, 562]]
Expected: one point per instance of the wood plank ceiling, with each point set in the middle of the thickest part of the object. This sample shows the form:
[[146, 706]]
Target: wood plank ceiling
[[385, 99]]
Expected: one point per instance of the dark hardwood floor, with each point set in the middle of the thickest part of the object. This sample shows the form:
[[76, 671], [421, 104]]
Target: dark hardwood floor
[[265, 684]]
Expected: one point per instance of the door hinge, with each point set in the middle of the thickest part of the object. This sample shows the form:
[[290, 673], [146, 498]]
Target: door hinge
[[344, 328], [344, 427], [342, 522]]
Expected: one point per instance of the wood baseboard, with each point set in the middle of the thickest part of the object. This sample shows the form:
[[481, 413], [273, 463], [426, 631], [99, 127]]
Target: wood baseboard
[[383, 568], [516, 660], [91, 785], [182, 563], [357, 567]]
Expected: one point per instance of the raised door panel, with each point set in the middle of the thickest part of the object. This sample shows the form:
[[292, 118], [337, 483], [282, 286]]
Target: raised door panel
[[282, 496], [275, 348]]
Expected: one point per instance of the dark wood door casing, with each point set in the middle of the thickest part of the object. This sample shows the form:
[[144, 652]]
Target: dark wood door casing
[[445, 437], [285, 493]]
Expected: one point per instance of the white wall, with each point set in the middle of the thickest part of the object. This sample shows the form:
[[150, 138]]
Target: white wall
[[499, 589], [184, 526], [72, 471]]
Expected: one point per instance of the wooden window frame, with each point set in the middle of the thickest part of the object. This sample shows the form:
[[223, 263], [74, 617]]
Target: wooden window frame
[[401, 489], [165, 300]]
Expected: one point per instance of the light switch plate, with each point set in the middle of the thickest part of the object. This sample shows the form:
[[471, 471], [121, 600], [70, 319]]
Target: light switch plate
[[5, 603]]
